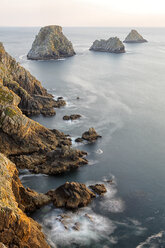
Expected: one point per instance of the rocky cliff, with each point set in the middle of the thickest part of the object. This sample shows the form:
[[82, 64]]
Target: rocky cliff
[[34, 99], [112, 45], [16, 229], [134, 37], [50, 43], [29, 144]]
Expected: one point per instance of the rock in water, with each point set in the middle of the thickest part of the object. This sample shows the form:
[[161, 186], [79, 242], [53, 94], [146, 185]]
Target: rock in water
[[71, 195], [134, 37], [50, 43], [99, 189], [112, 45]]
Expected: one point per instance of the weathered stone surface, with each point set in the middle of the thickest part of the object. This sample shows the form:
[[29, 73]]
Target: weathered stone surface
[[90, 135], [71, 195], [29, 145], [50, 43], [71, 117], [16, 229], [134, 37], [99, 189], [34, 99], [112, 45]]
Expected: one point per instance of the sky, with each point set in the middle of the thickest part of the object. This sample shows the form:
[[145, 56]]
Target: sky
[[129, 13]]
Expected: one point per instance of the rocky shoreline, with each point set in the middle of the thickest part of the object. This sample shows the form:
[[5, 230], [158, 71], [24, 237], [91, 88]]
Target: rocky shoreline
[[25, 143]]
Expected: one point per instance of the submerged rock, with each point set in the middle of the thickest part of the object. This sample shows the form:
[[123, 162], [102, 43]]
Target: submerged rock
[[71, 195], [50, 43], [112, 45], [134, 37], [71, 117], [90, 135]]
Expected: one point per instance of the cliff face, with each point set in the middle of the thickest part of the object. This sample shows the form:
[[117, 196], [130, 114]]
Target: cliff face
[[29, 144], [16, 229], [50, 43], [112, 45], [34, 98]]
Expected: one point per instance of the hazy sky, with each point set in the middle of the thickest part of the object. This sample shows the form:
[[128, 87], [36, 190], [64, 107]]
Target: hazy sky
[[82, 12]]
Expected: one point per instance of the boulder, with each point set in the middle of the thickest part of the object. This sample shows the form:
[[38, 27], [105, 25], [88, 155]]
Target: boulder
[[134, 37], [71, 195], [50, 43], [71, 117], [99, 189], [112, 45]]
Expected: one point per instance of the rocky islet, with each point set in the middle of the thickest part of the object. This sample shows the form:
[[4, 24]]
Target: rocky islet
[[50, 43]]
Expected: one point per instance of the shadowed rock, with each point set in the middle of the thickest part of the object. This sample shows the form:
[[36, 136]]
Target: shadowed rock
[[50, 43], [99, 189], [90, 135], [71, 195], [71, 117]]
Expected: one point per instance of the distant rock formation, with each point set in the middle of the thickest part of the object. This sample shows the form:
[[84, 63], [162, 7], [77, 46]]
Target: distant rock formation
[[112, 45], [50, 43], [134, 37]]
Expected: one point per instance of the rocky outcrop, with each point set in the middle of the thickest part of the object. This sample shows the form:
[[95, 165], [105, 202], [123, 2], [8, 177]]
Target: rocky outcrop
[[34, 99], [16, 229], [71, 117], [50, 43], [90, 135], [71, 195], [30, 145], [134, 37], [112, 45], [99, 189]]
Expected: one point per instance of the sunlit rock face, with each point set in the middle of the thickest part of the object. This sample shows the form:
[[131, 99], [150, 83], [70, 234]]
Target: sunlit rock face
[[134, 37], [50, 43], [112, 45], [16, 228], [34, 99]]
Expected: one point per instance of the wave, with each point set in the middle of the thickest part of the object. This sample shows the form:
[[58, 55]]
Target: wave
[[154, 241]]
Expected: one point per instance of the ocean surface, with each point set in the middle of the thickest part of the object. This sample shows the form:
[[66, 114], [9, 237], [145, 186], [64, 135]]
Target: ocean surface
[[123, 97]]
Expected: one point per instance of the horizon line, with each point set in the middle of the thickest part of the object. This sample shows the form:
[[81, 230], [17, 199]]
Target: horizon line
[[83, 26]]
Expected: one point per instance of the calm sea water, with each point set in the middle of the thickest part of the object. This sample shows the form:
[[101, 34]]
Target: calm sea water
[[123, 97]]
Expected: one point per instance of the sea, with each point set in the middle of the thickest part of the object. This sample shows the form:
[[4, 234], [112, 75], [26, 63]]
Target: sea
[[123, 97]]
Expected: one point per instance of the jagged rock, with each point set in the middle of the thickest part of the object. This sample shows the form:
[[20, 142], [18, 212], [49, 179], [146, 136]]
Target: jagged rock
[[34, 99], [112, 45], [78, 140], [71, 117], [134, 37], [91, 136], [16, 228], [99, 189], [28, 144], [2, 245], [71, 195], [50, 43]]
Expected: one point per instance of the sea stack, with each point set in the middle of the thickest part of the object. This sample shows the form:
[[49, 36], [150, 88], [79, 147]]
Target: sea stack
[[50, 43], [134, 37], [112, 45]]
